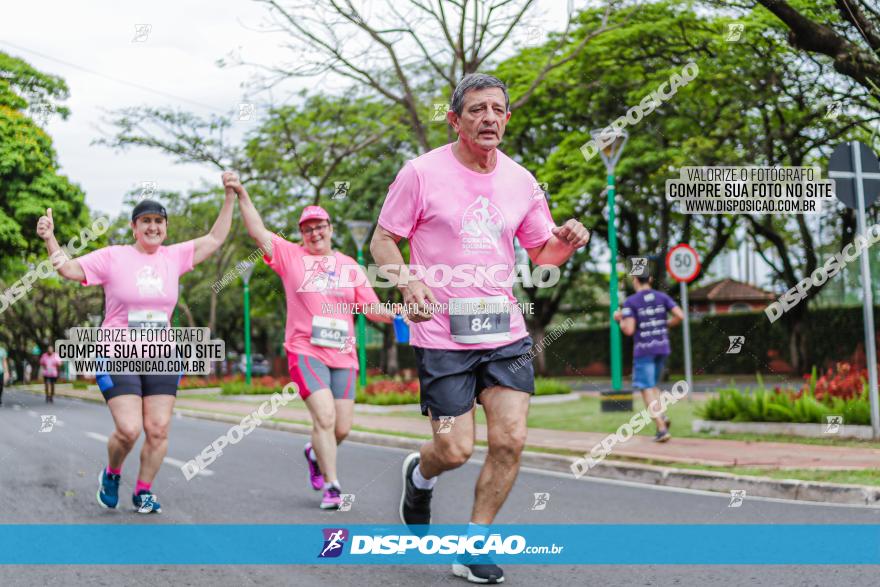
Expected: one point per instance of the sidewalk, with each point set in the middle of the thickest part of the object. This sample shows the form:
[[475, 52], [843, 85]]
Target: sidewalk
[[709, 452]]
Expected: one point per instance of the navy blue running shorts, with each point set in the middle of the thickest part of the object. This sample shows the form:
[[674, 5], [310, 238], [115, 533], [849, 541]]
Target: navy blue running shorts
[[450, 380]]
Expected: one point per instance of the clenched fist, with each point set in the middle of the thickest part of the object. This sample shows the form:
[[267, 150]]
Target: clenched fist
[[572, 233], [45, 226], [231, 182]]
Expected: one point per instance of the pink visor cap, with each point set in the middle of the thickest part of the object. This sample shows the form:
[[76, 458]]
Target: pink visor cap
[[314, 213]]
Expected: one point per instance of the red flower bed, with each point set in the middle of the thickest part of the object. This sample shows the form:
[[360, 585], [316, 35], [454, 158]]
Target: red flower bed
[[843, 380], [389, 386], [213, 381]]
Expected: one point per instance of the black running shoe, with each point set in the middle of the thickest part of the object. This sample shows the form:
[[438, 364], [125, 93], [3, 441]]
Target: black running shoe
[[485, 574], [415, 503], [667, 421], [662, 436]]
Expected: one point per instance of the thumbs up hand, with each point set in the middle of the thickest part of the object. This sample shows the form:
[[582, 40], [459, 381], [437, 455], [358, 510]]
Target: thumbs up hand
[[45, 226]]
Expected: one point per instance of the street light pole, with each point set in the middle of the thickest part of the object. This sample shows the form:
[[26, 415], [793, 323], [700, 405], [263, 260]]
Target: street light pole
[[360, 230], [611, 144], [247, 268], [616, 343]]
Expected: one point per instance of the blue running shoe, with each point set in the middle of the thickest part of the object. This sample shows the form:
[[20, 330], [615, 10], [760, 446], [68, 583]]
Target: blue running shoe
[[146, 503], [108, 489]]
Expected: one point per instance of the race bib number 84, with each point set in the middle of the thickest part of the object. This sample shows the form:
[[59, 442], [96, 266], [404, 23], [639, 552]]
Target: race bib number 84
[[477, 320]]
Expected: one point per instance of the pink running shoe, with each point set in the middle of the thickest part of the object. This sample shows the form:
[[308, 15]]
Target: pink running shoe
[[315, 475], [331, 499]]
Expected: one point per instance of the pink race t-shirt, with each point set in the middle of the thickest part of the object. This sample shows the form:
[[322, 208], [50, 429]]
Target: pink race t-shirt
[[50, 364], [136, 282], [315, 296], [455, 216]]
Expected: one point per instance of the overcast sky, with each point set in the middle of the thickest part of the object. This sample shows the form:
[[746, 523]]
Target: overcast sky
[[177, 58]]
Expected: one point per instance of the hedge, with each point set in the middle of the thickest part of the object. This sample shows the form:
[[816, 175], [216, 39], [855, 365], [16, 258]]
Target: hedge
[[834, 335]]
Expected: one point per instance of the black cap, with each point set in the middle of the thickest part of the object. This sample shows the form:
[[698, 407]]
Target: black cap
[[148, 207]]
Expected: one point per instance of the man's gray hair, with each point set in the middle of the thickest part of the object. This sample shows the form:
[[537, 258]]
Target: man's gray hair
[[476, 81]]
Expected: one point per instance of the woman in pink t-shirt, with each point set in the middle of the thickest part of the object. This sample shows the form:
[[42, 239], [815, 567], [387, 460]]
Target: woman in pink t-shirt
[[140, 284], [49, 363], [324, 288]]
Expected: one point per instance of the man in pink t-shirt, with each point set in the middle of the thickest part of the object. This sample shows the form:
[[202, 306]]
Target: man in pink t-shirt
[[140, 284], [460, 207], [324, 288], [49, 363]]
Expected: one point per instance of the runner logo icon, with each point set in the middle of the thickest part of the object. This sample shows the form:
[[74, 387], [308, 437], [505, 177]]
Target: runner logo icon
[[334, 540], [541, 501], [347, 500], [319, 270], [47, 423], [832, 424], [736, 344], [446, 424], [639, 264]]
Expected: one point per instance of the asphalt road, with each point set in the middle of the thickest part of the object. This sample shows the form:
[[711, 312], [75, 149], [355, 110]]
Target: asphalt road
[[50, 478]]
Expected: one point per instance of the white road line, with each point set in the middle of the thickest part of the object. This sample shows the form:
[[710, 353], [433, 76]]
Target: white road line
[[169, 460], [176, 463]]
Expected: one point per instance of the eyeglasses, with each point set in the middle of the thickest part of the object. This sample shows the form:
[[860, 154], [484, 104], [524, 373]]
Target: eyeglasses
[[320, 227]]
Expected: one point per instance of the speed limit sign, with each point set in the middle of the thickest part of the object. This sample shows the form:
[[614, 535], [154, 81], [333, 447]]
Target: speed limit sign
[[683, 263]]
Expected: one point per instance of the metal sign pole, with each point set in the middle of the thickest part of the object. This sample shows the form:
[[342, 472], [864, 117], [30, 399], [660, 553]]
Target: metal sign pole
[[868, 299], [686, 326]]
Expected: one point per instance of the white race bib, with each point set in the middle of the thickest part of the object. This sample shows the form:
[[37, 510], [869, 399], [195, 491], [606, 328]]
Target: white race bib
[[147, 319], [329, 332], [476, 320]]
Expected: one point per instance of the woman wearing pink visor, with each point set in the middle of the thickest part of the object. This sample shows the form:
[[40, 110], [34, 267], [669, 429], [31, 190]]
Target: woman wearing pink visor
[[319, 333]]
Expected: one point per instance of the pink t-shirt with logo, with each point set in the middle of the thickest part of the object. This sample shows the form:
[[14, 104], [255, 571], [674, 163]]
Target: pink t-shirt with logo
[[453, 215], [135, 281], [312, 288], [50, 364]]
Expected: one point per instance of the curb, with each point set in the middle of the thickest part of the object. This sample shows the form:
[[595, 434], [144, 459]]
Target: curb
[[791, 489], [788, 428]]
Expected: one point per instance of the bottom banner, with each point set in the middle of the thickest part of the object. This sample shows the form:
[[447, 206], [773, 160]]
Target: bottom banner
[[718, 544]]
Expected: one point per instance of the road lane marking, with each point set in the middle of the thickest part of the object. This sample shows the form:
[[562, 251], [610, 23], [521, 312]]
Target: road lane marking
[[171, 461], [178, 464]]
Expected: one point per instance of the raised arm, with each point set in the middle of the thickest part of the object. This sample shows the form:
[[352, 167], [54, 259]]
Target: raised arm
[[252, 221], [65, 266], [205, 246]]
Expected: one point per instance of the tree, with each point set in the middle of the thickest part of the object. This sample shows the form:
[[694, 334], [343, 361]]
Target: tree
[[293, 159], [852, 41], [449, 40], [30, 183], [753, 103], [29, 178]]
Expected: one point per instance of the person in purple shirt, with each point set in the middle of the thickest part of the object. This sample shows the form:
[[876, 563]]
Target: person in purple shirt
[[643, 317]]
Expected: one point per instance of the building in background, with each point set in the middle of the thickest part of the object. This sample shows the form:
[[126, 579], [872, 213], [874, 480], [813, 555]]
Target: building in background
[[727, 296]]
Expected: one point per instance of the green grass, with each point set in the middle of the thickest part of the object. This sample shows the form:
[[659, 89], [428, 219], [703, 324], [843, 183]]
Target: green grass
[[543, 386], [583, 415]]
